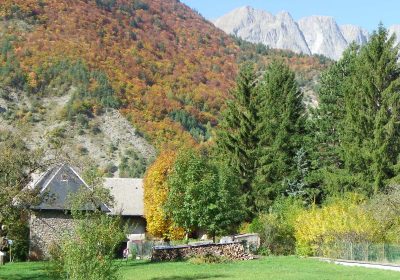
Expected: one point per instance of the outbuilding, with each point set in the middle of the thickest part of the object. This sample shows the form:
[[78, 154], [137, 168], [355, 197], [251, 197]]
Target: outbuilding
[[51, 219]]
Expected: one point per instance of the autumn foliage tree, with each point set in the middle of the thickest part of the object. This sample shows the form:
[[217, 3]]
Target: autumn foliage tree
[[155, 195]]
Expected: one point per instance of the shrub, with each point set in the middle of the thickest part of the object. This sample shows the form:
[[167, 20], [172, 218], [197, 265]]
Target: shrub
[[107, 5], [208, 258], [139, 5], [87, 253], [110, 169], [276, 228], [82, 150], [133, 165], [264, 251], [341, 219]]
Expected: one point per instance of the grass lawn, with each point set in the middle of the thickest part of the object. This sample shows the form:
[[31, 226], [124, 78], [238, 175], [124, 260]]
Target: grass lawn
[[267, 268]]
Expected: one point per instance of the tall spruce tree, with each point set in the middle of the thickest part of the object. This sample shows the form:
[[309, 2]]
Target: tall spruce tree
[[281, 128], [327, 117], [371, 131], [326, 126], [237, 137]]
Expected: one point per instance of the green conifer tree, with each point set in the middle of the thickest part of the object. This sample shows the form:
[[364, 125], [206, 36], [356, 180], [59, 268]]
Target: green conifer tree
[[371, 134], [237, 137], [327, 123], [281, 128]]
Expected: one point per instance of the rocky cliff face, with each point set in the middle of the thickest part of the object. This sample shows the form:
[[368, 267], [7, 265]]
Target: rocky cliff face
[[323, 36], [353, 33], [310, 35], [280, 31], [395, 29]]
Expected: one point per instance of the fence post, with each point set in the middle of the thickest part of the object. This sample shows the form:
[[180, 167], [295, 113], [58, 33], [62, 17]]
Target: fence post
[[383, 249], [351, 251]]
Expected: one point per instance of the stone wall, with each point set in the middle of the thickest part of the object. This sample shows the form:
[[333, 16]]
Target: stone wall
[[47, 228], [232, 251]]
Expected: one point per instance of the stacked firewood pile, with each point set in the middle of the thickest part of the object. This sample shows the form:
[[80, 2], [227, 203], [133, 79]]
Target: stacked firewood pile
[[232, 251]]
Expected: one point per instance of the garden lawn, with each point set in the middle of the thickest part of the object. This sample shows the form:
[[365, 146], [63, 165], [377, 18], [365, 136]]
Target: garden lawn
[[266, 268]]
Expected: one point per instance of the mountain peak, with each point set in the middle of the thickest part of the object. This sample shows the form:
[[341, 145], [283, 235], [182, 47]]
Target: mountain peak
[[284, 15], [316, 34], [258, 26], [323, 36]]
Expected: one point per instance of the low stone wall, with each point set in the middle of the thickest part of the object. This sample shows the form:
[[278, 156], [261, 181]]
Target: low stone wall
[[232, 251]]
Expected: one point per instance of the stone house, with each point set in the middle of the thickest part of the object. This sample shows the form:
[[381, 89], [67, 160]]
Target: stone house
[[51, 219]]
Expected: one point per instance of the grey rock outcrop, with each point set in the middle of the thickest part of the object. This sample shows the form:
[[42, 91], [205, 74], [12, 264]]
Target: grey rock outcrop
[[257, 26], [354, 33], [395, 29], [323, 36]]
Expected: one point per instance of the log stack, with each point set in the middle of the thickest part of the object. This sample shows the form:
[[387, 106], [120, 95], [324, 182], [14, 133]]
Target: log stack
[[232, 251]]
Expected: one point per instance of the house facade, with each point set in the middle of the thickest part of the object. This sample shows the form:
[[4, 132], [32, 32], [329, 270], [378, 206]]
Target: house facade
[[51, 219], [129, 203]]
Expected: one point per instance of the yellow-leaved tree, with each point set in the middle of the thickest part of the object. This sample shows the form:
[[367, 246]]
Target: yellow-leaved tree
[[155, 195]]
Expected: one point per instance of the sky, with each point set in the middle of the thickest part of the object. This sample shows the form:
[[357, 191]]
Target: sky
[[365, 13]]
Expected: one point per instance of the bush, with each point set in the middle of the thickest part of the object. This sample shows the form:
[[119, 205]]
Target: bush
[[346, 219], [133, 165], [208, 258], [19, 233], [88, 253], [191, 124], [110, 169], [264, 251], [276, 228], [107, 5], [139, 5]]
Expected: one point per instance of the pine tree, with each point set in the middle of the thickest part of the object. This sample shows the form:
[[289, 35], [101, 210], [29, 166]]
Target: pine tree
[[280, 129], [327, 117], [327, 123], [371, 135], [237, 137]]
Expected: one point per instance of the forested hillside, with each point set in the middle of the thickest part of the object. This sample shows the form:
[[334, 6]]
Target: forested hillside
[[162, 65]]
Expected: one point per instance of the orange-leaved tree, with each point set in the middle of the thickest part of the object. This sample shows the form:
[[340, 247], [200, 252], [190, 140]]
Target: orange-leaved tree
[[155, 195]]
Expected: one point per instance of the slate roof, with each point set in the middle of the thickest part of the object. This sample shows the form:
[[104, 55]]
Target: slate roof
[[128, 194], [56, 185]]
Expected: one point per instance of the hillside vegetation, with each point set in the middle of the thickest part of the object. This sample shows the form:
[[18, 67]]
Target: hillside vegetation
[[162, 65]]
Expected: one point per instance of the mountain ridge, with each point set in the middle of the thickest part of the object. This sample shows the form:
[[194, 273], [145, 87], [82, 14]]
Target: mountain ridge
[[258, 26], [314, 34]]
